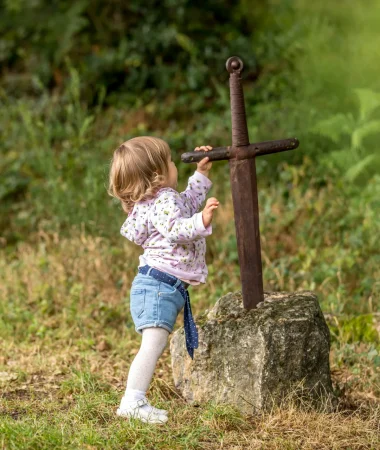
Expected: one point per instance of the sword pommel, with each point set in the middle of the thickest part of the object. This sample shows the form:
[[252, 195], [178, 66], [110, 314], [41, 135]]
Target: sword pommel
[[234, 64]]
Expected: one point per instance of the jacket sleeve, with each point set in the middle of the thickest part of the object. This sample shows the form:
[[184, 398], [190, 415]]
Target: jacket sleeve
[[196, 191], [135, 227], [167, 219]]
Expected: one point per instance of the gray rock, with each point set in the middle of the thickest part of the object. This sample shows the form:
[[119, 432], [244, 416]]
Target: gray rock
[[254, 359]]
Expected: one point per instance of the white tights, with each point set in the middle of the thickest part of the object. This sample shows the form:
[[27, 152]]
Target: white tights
[[140, 375]]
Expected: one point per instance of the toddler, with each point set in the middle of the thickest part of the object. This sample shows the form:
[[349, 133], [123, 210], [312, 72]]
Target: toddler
[[172, 233]]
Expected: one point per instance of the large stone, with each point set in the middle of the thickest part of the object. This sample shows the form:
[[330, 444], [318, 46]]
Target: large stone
[[253, 359]]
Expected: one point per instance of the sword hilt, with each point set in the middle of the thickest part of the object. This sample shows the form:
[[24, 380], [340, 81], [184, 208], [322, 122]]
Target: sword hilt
[[240, 136]]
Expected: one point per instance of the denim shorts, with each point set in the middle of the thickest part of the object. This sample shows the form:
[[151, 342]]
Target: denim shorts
[[154, 303]]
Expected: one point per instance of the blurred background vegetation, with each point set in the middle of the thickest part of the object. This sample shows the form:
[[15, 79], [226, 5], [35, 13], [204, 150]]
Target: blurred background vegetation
[[80, 77]]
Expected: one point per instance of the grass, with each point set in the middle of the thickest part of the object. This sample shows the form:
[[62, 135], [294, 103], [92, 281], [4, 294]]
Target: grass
[[67, 338], [66, 398]]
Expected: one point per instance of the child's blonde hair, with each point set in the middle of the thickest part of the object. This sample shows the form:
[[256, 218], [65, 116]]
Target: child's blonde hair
[[139, 167]]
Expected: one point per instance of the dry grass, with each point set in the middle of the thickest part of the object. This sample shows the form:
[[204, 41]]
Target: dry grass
[[78, 392], [67, 341]]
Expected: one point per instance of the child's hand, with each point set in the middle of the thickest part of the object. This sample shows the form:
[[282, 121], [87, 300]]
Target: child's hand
[[204, 165], [211, 204]]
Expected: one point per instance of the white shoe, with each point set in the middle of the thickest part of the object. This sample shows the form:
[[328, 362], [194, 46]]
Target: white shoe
[[156, 410], [136, 410]]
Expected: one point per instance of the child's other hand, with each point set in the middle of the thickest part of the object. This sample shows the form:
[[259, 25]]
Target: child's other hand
[[211, 204], [204, 164]]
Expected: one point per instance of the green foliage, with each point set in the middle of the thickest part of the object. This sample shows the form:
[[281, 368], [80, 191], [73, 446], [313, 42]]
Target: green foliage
[[356, 329], [45, 165], [355, 160], [360, 361], [136, 50], [312, 57]]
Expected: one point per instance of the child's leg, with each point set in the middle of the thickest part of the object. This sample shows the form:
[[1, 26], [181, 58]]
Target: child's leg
[[141, 372]]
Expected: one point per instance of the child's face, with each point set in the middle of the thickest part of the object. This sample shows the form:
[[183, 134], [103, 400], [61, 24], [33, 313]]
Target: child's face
[[173, 174]]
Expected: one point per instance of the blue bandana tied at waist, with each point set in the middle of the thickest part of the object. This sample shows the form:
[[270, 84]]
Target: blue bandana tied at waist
[[191, 332]]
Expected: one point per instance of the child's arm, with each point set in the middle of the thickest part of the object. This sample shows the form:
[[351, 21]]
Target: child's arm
[[167, 218], [199, 184], [195, 193]]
